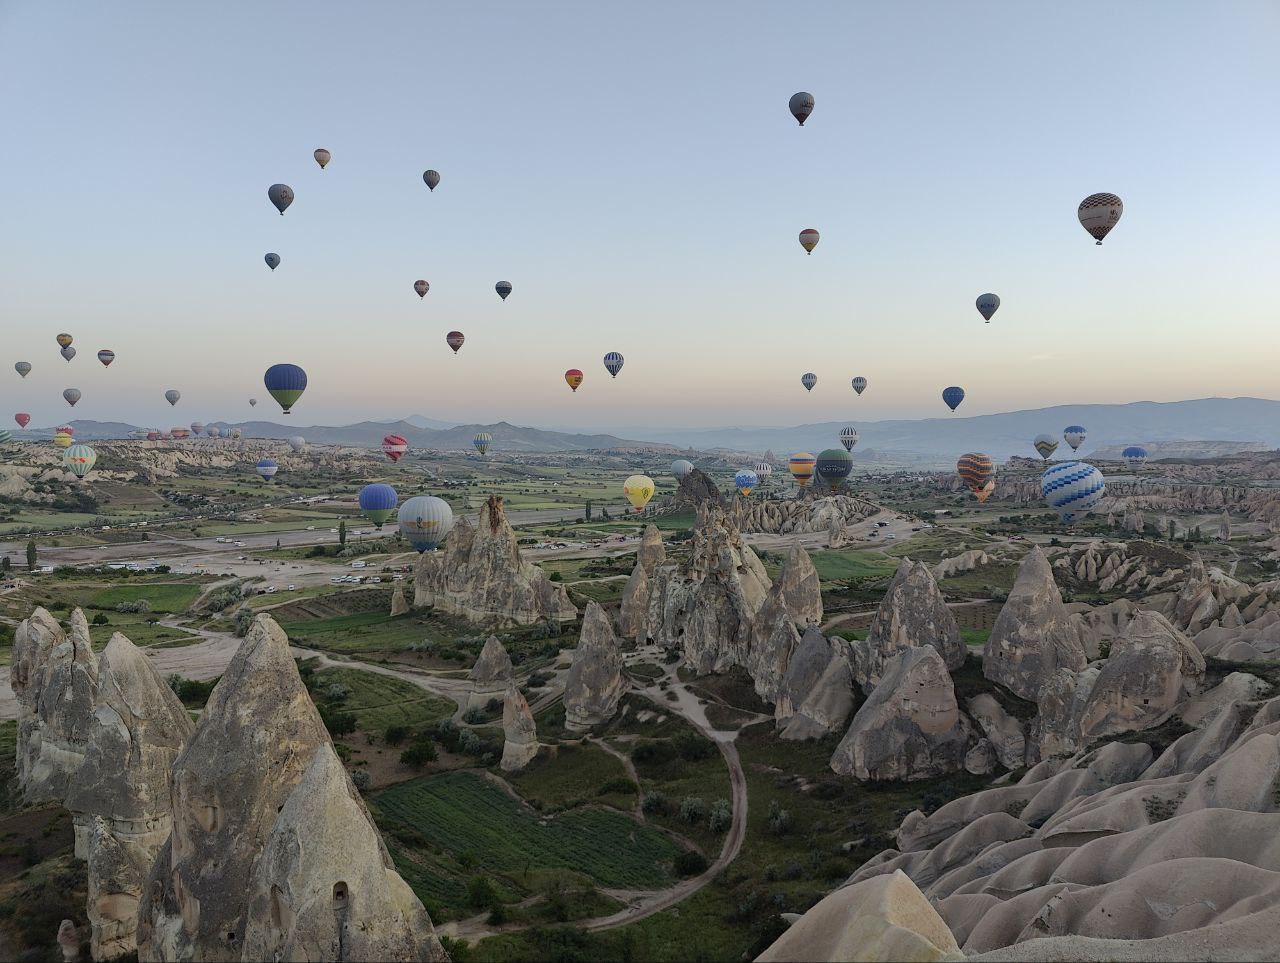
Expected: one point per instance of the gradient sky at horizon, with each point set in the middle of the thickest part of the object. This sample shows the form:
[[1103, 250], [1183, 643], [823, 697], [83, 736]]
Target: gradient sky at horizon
[[634, 172]]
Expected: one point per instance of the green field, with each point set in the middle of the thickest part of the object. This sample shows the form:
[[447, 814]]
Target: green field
[[165, 597], [378, 701], [573, 775], [847, 563]]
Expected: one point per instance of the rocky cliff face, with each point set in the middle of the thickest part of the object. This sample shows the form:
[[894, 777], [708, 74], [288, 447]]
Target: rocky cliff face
[[912, 613], [33, 643], [64, 713], [594, 684], [795, 599], [635, 597], [482, 576], [491, 675], [696, 492], [520, 743], [827, 704]]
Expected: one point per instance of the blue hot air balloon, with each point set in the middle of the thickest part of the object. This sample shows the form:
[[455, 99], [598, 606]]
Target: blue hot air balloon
[[378, 502], [953, 396], [613, 363], [746, 480], [808, 379], [1074, 436], [425, 521], [482, 441], [1072, 489], [285, 383], [267, 468], [1135, 455]]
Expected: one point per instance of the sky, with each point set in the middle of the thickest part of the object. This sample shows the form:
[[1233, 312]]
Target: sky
[[633, 171]]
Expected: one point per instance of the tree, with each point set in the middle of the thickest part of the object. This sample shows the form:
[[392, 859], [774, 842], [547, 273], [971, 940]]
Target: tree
[[5, 564], [277, 544], [1173, 529], [342, 533], [31, 554], [588, 513]]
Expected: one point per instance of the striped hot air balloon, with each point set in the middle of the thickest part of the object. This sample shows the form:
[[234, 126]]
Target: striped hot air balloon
[[106, 356], [1046, 445], [976, 469], [680, 469], [482, 441], [764, 470], [455, 339], [6, 436], [859, 384], [848, 437], [808, 240], [808, 379], [801, 467], [613, 363], [394, 447], [1072, 489], [79, 460], [267, 468], [1074, 436]]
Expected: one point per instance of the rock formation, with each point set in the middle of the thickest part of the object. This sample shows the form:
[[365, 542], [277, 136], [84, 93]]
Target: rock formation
[[64, 713], [33, 642], [695, 492], [481, 575], [966, 561], [69, 941], [806, 666], [521, 735], [829, 702], [324, 887], [1033, 635], [1005, 733], [912, 613], [635, 597], [794, 599], [910, 726], [399, 605], [490, 676], [594, 685], [800, 516]]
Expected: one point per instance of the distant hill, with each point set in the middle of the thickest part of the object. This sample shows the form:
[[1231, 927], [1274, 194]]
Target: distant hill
[[418, 421]]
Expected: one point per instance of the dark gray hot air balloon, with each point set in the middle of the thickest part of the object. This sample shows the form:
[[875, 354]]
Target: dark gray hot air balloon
[[281, 195], [23, 368], [422, 287], [72, 395], [172, 396], [431, 179], [503, 288], [68, 352], [987, 305], [801, 106], [273, 261]]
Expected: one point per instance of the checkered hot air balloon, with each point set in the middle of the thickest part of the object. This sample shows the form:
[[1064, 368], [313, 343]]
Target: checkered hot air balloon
[[1074, 436], [1099, 213], [1072, 489]]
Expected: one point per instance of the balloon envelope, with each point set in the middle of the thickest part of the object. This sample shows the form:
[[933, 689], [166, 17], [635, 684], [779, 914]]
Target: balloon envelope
[[431, 179], [834, 465], [801, 106], [285, 383], [976, 469], [573, 378], [1074, 436], [273, 261], [80, 459], [848, 437], [613, 363], [213, 431], [859, 384], [172, 396], [808, 379], [68, 352], [745, 480], [425, 521], [64, 339], [394, 446], [764, 470], [987, 304], [322, 157], [281, 195], [503, 288], [985, 491], [23, 368], [63, 439], [680, 469], [801, 467], [1046, 445], [482, 441], [378, 502], [638, 489], [72, 395], [953, 396], [1135, 455], [297, 443], [22, 418], [455, 339], [267, 468], [5, 436], [253, 402], [1072, 489], [422, 287], [1099, 213], [106, 356], [808, 240]]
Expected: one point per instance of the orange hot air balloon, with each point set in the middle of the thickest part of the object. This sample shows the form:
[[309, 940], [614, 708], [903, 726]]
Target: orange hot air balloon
[[976, 469], [573, 378]]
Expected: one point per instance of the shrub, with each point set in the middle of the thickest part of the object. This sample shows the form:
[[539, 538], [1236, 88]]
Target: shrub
[[653, 802], [555, 577], [337, 692], [691, 746], [101, 619], [394, 735], [361, 779], [481, 894], [419, 754], [692, 809], [337, 722], [690, 863], [473, 716], [721, 817], [780, 820], [620, 785], [138, 605]]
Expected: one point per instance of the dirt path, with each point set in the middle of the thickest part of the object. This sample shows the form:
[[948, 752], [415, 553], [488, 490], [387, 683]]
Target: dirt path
[[629, 767]]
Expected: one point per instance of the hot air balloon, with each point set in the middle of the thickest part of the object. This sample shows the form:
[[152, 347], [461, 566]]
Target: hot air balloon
[[613, 363], [267, 468], [1099, 213], [454, 339], [953, 396], [72, 395], [64, 339], [1074, 436], [197, 428], [273, 260], [23, 368], [79, 460], [22, 418], [64, 439], [1072, 489], [151, 436], [848, 437], [394, 447], [833, 466], [67, 428], [213, 431], [106, 356], [297, 443], [165, 436], [976, 469], [801, 106], [425, 521], [322, 157], [179, 433], [573, 378], [1046, 445], [235, 434], [285, 383], [68, 352], [638, 489], [378, 502], [801, 467], [808, 379], [5, 436], [281, 195], [422, 287], [482, 441], [808, 240], [172, 396], [431, 179], [987, 305], [763, 471], [253, 402], [859, 384], [1134, 455], [745, 480], [503, 288], [680, 469], [985, 492]]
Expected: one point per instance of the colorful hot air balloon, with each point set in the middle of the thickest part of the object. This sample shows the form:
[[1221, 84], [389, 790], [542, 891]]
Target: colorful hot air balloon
[[985, 492], [66, 428], [763, 471], [394, 447], [267, 468], [1074, 436], [987, 305], [859, 384], [1046, 445], [808, 240], [801, 106], [680, 469], [378, 502], [808, 379], [23, 368], [976, 469], [297, 443], [425, 521], [953, 396], [213, 431], [833, 466], [106, 356], [801, 467], [454, 339], [281, 195], [613, 363], [745, 480], [422, 287], [1099, 213], [64, 339], [322, 157], [573, 378], [72, 395], [151, 436], [5, 436], [431, 179], [1134, 455], [79, 460], [285, 383], [503, 288], [22, 418], [172, 396], [273, 260], [63, 439], [638, 489], [179, 433], [68, 352], [848, 437], [1072, 489], [482, 441]]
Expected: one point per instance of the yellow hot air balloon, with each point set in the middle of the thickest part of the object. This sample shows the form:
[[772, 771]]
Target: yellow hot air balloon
[[638, 489], [62, 439]]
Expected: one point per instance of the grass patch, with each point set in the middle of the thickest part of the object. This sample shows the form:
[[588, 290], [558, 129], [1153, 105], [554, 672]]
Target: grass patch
[[852, 563], [378, 701], [573, 775], [165, 597]]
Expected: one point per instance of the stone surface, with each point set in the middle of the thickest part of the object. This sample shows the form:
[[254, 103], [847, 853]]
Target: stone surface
[[594, 684], [811, 657], [69, 941], [796, 598], [482, 576], [519, 732], [912, 613], [115, 888], [696, 491], [399, 604], [1008, 740], [33, 643], [64, 714], [829, 703], [324, 887], [635, 596], [491, 675]]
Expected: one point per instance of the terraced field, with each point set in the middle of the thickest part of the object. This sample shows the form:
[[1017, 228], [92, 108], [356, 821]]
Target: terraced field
[[378, 701]]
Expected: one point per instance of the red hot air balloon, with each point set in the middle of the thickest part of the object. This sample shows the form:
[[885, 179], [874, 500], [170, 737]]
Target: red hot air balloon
[[22, 418], [395, 446], [573, 377], [454, 339]]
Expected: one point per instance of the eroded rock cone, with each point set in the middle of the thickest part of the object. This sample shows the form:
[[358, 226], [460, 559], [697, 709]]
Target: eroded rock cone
[[912, 613], [33, 643], [1033, 635], [827, 705], [399, 604], [519, 731], [696, 490], [796, 597], [64, 712], [491, 675], [809, 661], [594, 684], [635, 596], [325, 888]]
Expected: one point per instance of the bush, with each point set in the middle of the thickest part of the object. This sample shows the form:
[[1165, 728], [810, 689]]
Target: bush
[[337, 722], [653, 802], [620, 785], [721, 817], [138, 605], [691, 746], [555, 577], [481, 894], [692, 809], [690, 863], [419, 754], [101, 619], [394, 735], [473, 716], [337, 692], [361, 780], [780, 820]]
